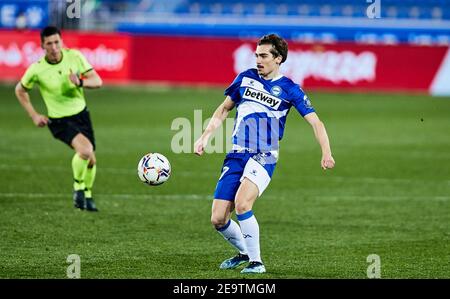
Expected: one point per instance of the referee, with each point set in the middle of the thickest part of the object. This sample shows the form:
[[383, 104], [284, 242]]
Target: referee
[[61, 76]]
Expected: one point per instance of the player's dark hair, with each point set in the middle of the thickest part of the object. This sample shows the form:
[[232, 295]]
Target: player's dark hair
[[279, 45], [48, 31]]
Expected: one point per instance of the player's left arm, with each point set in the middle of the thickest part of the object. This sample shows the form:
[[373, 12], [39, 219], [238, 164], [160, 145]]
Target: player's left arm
[[320, 132], [89, 79]]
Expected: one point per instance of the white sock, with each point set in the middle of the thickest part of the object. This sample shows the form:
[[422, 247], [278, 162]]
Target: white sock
[[232, 233], [250, 232]]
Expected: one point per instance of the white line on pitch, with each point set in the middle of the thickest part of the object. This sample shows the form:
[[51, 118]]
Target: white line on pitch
[[206, 196], [128, 171], [115, 196]]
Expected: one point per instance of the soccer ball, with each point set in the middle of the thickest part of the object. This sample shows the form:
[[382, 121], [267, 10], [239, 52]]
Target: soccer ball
[[154, 169]]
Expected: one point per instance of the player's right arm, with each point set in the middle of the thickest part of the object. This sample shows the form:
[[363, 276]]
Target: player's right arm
[[24, 99], [216, 121]]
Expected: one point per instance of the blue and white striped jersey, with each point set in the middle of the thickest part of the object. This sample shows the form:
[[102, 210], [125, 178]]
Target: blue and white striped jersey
[[262, 107]]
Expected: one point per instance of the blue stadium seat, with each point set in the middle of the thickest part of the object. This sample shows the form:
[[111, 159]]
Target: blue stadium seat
[[401, 9]]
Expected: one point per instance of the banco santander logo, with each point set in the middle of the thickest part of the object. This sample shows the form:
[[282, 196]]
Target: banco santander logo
[[328, 65]]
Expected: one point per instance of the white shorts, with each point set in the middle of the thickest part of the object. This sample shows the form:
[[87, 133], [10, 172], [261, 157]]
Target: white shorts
[[256, 173]]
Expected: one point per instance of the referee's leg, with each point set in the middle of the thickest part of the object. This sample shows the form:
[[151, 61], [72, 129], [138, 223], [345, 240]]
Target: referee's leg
[[84, 148], [84, 169]]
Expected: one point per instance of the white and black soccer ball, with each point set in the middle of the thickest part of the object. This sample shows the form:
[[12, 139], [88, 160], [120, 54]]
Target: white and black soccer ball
[[154, 169]]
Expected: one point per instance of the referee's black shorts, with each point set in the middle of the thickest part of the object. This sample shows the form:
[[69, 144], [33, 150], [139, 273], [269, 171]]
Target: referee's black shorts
[[66, 128]]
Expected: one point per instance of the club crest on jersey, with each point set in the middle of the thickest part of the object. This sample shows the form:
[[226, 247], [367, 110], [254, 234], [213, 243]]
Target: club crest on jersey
[[276, 90], [262, 98], [307, 101]]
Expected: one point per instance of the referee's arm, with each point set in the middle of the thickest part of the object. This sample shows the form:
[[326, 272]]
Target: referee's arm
[[24, 99], [89, 79]]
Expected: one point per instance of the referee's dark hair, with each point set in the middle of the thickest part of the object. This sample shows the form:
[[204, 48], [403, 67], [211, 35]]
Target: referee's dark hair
[[279, 45], [48, 31]]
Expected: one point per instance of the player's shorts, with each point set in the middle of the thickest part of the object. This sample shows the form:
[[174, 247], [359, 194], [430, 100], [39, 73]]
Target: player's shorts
[[257, 167], [66, 128]]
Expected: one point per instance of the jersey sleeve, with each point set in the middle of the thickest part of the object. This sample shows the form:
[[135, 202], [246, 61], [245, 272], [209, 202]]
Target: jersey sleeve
[[29, 78], [233, 90], [85, 66], [300, 101]]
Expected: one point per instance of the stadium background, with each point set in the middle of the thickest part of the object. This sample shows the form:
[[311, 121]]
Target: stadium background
[[378, 73]]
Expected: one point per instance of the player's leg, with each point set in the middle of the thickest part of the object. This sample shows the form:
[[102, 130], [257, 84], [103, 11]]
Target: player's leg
[[84, 156], [230, 230], [255, 179], [220, 213], [223, 206], [245, 198]]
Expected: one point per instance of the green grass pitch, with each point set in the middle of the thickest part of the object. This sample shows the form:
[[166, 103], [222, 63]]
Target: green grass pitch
[[388, 195]]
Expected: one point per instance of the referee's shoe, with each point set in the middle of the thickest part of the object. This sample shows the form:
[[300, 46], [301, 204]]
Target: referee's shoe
[[79, 201], [90, 205]]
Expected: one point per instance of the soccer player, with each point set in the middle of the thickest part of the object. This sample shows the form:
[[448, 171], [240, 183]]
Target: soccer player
[[263, 97], [61, 75]]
